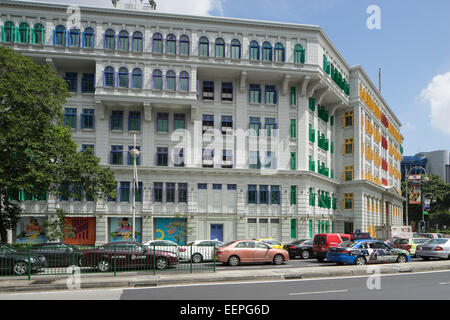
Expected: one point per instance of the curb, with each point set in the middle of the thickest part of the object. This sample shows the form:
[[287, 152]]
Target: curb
[[138, 281]]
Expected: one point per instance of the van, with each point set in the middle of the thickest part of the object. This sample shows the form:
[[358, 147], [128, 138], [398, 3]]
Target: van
[[323, 241]]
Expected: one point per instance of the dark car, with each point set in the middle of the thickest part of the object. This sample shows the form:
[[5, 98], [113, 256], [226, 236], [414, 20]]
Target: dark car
[[300, 248], [17, 262], [361, 252], [127, 255], [59, 254]]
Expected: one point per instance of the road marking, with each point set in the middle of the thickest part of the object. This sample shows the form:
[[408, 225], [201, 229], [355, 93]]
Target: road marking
[[444, 283], [316, 292]]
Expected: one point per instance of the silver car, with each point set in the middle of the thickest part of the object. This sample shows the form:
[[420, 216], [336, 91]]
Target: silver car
[[434, 248]]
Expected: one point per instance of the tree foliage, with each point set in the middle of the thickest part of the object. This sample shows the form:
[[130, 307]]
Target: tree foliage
[[37, 152]]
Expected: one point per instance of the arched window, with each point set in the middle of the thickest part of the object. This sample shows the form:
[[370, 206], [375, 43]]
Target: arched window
[[235, 49], [299, 54], [108, 77], [24, 33], [157, 43], [137, 44], [59, 36], [171, 80], [254, 50], [171, 45], [8, 32], [123, 77], [74, 37], [157, 80], [220, 48], [267, 51], [184, 45], [88, 38], [184, 81], [124, 43], [110, 39], [136, 80], [203, 47], [279, 52], [38, 34]]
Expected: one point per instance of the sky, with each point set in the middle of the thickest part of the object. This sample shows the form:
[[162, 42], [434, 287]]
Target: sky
[[411, 46]]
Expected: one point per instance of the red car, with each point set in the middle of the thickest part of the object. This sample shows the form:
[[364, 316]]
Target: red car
[[250, 251], [127, 255], [323, 241]]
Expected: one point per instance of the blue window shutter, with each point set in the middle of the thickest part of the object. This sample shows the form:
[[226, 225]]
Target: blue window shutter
[[83, 39], [104, 40], [104, 79], [54, 37], [275, 96], [69, 40], [260, 95], [93, 40]]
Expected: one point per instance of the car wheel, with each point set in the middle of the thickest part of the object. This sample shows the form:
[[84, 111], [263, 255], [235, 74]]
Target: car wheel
[[103, 265], [197, 258], [320, 259], [360, 261], [234, 261], [426, 258], [20, 268], [305, 254], [402, 258], [278, 259], [162, 263]]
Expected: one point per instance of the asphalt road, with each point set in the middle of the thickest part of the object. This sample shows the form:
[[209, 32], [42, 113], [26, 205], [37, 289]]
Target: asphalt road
[[417, 286]]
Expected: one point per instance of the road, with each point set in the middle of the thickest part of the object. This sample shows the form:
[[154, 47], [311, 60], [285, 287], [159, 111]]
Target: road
[[416, 286]]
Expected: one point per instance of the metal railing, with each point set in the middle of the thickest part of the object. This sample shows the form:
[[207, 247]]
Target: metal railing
[[62, 259]]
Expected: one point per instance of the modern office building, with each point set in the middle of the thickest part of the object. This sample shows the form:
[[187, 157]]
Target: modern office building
[[245, 128], [434, 162]]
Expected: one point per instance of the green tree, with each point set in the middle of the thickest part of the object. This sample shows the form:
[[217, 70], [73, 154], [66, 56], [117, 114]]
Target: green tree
[[37, 152], [58, 229]]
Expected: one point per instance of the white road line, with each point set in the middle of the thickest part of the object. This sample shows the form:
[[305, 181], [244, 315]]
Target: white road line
[[316, 292], [444, 283]]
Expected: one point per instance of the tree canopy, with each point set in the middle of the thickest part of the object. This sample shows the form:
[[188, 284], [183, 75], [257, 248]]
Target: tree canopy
[[37, 152]]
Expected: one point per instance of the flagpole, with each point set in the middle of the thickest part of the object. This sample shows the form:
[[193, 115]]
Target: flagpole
[[134, 153]]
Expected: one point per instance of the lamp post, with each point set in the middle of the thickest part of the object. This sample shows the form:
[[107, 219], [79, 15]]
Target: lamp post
[[134, 153], [426, 179]]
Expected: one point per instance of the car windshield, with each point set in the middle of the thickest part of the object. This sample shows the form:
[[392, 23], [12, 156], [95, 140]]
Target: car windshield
[[7, 249], [421, 240], [437, 241], [228, 243], [347, 244]]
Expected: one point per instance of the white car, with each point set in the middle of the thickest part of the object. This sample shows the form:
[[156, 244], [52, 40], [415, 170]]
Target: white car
[[199, 250], [164, 245]]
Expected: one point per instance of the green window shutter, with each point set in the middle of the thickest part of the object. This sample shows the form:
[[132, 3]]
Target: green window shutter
[[293, 128], [293, 100], [302, 56], [294, 228], [293, 195], [293, 161], [310, 228]]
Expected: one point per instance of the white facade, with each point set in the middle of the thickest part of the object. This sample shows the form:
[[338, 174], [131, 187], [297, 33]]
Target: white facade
[[373, 203]]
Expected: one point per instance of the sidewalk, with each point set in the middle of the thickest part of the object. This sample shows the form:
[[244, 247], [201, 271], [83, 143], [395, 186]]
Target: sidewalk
[[134, 279]]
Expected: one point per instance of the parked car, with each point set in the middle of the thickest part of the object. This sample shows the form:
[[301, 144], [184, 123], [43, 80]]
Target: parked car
[[433, 235], [409, 245], [366, 251], [360, 236], [199, 250], [250, 251], [300, 248], [164, 245], [323, 241], [273, 243], [390, 241], [17, 262], [123, 255], [434, 248], [59, 254]]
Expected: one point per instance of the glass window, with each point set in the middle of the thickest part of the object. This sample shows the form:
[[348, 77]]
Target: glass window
[[24, 33], [171, 45], [9, 32], [137, 44], [184, 45], [254, 50], [267, 51], [184, 81], [88, 38], [162, 156], [203, 47], [157, 80], [208, 90], [202, 186], [88, 119], [275, 195], [123, 77], [72, 81], [136, 80], [162, 122], [59, 36], [38, 35], [70, 117], [157, 43], [255, 93], [117, 120], [227, 91], [254, 160], [182, 193], [299, 54], [134, 121], [108, 77], [264, 194], [254, 126], [279, 52], [110, 39], [170, 192], [116, 156], [220, 48], [235, 49], [252, 194], [74, 37], [158, 192], [179, 121], [124, 192], [171, 80], [270, 94]]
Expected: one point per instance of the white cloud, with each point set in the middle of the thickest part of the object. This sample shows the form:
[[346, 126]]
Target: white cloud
[[437, 94]]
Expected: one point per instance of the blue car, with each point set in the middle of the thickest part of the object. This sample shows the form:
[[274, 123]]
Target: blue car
[[362, 252]]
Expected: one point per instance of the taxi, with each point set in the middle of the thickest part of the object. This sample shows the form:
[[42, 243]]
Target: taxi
[[273, 243]]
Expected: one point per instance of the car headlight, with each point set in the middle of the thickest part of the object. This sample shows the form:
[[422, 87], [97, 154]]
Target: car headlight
[[32, 260], [42, 259]]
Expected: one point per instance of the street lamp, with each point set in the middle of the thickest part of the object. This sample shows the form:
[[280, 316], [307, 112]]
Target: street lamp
[[134, 153], [426, 179]]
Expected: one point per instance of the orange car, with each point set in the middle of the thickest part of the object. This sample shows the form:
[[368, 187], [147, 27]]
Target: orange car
[[247, 251]]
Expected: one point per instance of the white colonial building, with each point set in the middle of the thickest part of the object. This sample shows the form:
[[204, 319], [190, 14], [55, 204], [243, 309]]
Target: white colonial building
[[245, 128]]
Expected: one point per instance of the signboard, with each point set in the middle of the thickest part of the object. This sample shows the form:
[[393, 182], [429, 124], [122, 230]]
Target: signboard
[[31, 230], [84, 229], [120, 229], [172, 229], [414, 195]]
